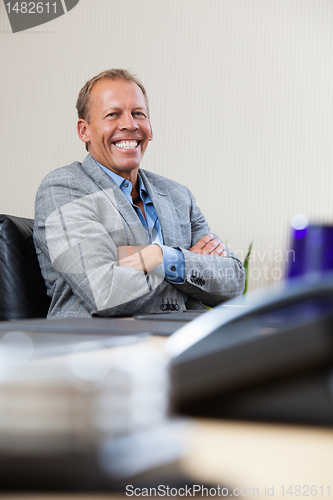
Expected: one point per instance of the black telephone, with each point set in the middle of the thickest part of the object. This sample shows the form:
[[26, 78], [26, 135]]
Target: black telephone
[[270, 361]]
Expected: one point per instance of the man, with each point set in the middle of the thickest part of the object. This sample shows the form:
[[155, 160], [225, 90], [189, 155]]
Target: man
[[113, 239]]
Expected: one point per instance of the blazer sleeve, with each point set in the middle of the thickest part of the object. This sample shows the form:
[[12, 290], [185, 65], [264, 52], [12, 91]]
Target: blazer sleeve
[[209, 278]]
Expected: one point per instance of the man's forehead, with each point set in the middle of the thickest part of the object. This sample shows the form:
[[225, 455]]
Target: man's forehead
[[108, 88], [108, 93]]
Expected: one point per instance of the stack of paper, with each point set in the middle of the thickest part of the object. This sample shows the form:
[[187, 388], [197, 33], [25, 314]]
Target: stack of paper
[[109, 404]]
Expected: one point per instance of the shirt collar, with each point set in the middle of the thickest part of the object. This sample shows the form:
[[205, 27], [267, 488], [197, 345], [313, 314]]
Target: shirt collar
[[115, 177], [126, 185]]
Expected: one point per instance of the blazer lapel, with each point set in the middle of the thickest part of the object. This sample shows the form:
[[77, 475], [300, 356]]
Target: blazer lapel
[[131, 222], [166, 211]]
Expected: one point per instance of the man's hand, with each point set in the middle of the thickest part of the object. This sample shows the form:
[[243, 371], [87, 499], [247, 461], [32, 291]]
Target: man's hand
[[210, 246], [143, 258]]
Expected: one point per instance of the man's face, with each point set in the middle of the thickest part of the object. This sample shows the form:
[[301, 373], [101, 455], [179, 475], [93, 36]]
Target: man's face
[[119, 129]]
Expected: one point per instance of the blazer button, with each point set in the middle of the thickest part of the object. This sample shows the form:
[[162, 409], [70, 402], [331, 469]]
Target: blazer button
[[173, 268]]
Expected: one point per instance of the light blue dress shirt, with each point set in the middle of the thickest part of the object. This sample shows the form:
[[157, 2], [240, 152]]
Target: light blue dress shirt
[[173, 264]]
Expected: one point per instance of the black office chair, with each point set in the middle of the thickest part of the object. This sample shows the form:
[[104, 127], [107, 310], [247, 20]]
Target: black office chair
[[22, 288]]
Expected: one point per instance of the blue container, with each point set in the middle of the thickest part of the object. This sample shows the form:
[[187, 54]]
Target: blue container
[[312, 246]]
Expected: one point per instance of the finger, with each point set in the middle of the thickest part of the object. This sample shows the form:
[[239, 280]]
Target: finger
[[211, 246], [197, 248], [219, 250], [127, 251], [124, 261], [131, 261]]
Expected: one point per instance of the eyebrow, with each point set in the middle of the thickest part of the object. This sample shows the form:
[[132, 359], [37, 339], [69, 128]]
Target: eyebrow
[[111, 108], [118, 108]]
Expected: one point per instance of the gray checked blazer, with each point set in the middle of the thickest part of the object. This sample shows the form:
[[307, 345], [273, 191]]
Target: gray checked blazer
[[82, 217]]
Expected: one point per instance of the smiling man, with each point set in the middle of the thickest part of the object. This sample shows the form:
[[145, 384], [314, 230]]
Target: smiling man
[[113, 239]]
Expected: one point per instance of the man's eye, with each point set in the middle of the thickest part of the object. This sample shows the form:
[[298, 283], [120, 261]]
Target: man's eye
[[112, 114], [139, 113]]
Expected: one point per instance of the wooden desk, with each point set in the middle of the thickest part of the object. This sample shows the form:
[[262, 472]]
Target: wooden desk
[[252, 457], [258, 455], [247, 455]]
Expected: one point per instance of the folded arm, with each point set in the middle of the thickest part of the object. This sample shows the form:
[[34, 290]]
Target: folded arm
[[213, 273]]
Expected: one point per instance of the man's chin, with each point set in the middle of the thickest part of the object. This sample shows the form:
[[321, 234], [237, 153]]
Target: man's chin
[[128, 168]]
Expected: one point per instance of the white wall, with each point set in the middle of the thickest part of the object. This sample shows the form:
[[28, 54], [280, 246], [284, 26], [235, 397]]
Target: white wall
[[241, 95]]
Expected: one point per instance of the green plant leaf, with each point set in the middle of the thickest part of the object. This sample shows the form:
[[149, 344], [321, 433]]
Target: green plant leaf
[[207, 307], [246, 267]]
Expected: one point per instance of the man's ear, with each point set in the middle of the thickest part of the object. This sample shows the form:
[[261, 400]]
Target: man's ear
[[151, 133], [82, 130]]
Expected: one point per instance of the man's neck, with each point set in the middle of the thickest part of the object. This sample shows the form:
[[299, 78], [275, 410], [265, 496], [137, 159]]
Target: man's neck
[[135, 193], [130, 175]]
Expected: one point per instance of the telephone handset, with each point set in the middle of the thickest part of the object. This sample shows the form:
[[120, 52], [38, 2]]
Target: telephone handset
[[272, 360]]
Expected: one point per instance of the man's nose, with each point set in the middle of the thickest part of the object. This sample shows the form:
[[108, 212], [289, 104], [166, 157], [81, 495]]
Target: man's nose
[[128, 122]]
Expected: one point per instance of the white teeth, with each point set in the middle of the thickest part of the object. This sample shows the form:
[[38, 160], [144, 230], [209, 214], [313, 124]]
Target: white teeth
[[127, 144]]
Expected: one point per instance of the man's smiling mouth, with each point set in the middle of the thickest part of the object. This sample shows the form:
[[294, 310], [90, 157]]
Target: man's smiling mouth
[[126, 144]]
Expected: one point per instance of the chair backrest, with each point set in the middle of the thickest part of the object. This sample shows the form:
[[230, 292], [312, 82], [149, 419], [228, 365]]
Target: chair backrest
[[22, 288]]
